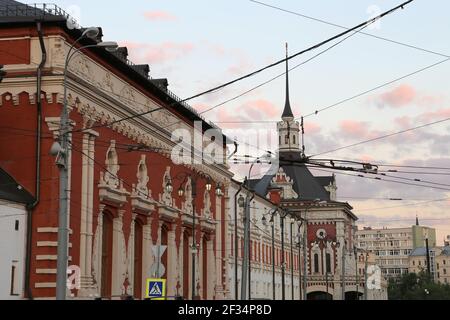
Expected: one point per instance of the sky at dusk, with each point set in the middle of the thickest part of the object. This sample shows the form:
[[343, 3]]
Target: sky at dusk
[[199, 44]]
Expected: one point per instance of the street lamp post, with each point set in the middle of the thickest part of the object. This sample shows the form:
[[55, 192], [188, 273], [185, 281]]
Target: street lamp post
[[282, 216], [365, 274], [246, 263], [272, 224], [292, 260], [356, 272], [300, 261], [208, 187], [305, 258], [61, 150], [237, 202]]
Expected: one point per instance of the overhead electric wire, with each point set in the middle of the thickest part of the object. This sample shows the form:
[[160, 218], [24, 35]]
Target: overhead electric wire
[[377, 173], [361, 25], [383, 137], [343, 27], [385, 164], [404, 205], [381, 179], [276, 77]]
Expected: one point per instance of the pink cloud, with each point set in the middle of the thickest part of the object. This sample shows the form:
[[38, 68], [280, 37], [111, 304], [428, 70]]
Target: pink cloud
[[312, 128], [167, 51], [398, 97], [260, 109], [434, 115], [354, 128], [157, 53], [403, 122], [225, 116], [159, 16]]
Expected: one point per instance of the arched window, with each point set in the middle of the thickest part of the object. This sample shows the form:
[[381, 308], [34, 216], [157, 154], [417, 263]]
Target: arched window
[[316, 263], [295, 139], [186, 266], [205, 269], [138, 244], [107, 242], [328, 263], [164, 242]]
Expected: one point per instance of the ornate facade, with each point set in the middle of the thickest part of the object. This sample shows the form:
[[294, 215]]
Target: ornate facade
[[120, 209], [328, 255]]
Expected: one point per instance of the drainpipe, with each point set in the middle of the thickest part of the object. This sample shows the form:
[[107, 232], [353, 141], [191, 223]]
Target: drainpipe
[[236, 244], [32, 206]]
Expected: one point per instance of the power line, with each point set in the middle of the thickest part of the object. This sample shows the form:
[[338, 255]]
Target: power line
[[383, 137], [388, 165], [276, 77], [405, 205], [343, 100], [381, 179], [343, 27], [375, 88], [377, 173], [361, 25]]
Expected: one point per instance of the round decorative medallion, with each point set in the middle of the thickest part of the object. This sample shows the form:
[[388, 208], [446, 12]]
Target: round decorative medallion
[[321, 234]]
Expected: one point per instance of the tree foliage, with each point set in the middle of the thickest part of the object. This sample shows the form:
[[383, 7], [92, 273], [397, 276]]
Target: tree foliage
[[417, 287]]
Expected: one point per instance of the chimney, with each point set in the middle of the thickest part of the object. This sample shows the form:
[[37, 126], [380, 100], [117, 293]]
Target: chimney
[[143, 69], [162, 84], [121, 53]]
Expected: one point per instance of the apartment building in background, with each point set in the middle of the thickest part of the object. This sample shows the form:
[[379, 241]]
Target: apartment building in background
[[392, 247], [439, 263]]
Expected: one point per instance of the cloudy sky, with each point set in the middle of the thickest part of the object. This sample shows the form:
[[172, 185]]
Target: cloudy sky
[[199, 44]]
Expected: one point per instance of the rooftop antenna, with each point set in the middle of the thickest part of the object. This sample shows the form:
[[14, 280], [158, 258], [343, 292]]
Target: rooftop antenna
[[303, 137], [287, 94]]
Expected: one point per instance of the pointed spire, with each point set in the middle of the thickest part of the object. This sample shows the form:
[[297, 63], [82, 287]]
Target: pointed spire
[[417, 221], [287, 113]]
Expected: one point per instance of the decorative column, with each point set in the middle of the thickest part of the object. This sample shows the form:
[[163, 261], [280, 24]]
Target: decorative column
[[211, 263], [190, 266], [90, 203], [130, 256], [147, 255], [86, 224], [97, 252], [199, 268], [220, 256], [118, 256], [171, 262], [181, 263], [340, 235]]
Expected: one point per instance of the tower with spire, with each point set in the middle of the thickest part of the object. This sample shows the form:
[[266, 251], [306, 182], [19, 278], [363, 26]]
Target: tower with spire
[[288, 129]]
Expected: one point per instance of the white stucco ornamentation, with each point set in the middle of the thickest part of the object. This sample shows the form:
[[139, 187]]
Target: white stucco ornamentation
[[282, 180], [112, 164], [206, 211], [143, 179], [186, 206], [166, 196]]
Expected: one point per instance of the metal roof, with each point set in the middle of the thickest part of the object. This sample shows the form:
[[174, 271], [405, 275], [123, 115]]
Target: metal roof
[[421, 252], [19, 13], [305, 184], [11, 190], [15, 12]]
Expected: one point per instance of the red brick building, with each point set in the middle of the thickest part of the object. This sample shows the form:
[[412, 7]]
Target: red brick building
[[120, 207]]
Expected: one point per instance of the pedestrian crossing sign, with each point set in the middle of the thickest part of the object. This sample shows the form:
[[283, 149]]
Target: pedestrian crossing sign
[[156, 289]]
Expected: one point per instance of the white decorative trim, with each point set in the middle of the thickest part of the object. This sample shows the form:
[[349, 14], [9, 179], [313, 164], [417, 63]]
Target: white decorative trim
[[49, 258], [45, 285], [49, 244], [46, 271]]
